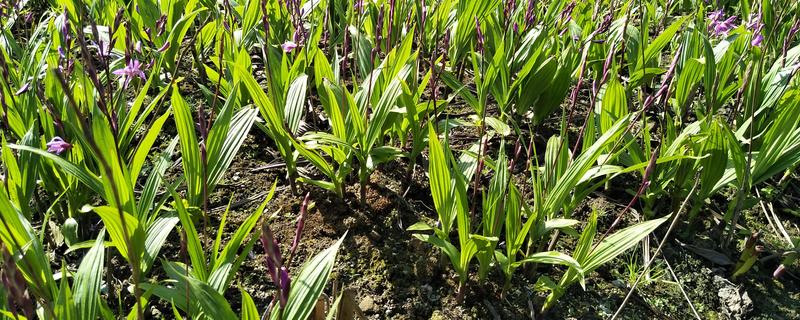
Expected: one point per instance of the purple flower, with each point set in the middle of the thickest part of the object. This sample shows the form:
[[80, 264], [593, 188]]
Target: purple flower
[[132, 69], [65, 27], [277, 272], [479, 34], [716, 15], [510, 4], [529, 17], [301, 222], [795, 27], [58, 145], [756, 42], [725, 26], [754, 23], [756, 26], [721, 28], [717, 26], [297, 36], [288, 46]]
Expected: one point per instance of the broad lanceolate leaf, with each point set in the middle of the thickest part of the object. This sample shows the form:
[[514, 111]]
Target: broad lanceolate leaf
[[211, 303], [127, 234], [307, 286], [619, 242], [190, 151], [88, 280], [440, 182]]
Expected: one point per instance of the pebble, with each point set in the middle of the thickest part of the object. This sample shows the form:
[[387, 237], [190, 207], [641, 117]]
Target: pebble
[[367, 304], [155, 313], [736, 303], [350, 222]]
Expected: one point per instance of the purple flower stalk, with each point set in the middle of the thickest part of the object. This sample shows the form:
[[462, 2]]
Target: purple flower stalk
[[566, 14], [58, 145], [277, 272], [754, 22], [65, 28], [392, 4], [285, 285], [529, 16], [379, 29], [301, 222], [510, 4], [479, 34], [788, 39], [756, 26], [605, 24], [164, 47], [794, 28], [132, 70]]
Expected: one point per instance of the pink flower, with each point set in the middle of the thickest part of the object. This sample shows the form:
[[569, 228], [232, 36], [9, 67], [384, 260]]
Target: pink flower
[[132, 69], [288, 46], [58, 145]]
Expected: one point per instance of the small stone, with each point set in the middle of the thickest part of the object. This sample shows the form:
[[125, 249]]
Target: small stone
[[390, 310], [350, 222], [428, 293], [367, 304], [155, 313], [736, 303]]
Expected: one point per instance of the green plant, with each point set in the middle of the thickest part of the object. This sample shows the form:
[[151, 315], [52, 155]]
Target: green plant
[[591, 255]]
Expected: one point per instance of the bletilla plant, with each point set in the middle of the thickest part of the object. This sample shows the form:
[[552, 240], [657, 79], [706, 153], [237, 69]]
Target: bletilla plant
[[126, 125]]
